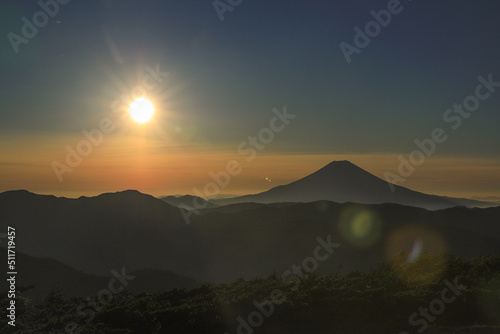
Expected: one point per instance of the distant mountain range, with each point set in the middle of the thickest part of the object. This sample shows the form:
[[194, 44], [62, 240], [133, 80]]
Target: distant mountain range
[[61, 241], [188, 201], [137, 231], [342, 181]]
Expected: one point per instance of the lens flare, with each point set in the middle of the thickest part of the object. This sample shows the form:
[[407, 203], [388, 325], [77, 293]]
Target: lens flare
[[416, 251], [360, 227], [416, 254]]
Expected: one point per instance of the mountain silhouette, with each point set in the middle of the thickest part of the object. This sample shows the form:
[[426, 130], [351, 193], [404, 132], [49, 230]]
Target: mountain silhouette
[[138, 231], [342, 181], [187, 201]]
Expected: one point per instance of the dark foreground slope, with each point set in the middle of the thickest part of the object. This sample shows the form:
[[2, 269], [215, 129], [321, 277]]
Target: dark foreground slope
[[388, 299], [37, 276]]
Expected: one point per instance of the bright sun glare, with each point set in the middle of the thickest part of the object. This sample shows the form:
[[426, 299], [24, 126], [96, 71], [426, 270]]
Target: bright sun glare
[[141, 110]]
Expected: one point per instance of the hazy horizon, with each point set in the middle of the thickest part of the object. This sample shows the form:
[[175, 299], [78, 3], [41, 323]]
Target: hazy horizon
[[438, 171]]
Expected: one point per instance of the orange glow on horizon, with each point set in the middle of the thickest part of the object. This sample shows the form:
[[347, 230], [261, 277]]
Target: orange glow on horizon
[[158, 168]]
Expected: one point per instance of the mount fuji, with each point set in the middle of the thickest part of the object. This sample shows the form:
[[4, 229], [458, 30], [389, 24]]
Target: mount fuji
[[342, 181]]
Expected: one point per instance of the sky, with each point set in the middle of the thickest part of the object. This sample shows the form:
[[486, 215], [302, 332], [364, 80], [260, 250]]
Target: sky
[[215, 83]]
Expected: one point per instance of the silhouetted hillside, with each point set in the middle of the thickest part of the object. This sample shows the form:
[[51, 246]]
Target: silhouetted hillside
[[194, 202], [238, 207], [40, 275], [139, 231]]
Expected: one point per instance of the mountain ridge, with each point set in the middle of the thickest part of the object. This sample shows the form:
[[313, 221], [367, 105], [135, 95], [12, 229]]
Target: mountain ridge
[[139, 232]]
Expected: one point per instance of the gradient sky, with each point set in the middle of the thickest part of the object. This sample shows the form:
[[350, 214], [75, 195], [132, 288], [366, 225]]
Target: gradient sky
[[226, 77]]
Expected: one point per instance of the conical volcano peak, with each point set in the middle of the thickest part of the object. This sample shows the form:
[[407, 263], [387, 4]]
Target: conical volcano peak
[[340, 167], [342, 181], [340, 163]]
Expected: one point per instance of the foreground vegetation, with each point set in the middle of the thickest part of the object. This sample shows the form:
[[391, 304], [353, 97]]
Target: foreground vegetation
[[434, 291]]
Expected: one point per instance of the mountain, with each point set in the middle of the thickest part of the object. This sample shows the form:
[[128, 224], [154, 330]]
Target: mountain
[[188, 201], [470, 203], [139, 232], [491, 199], [40, 275], [121, 227], [342, 181], [238, 207]]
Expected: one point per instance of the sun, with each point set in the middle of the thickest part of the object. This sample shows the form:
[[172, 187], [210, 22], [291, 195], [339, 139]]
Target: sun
[[141, 110]]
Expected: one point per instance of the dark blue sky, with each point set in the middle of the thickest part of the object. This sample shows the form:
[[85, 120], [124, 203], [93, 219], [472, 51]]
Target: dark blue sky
[[225, 77]]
